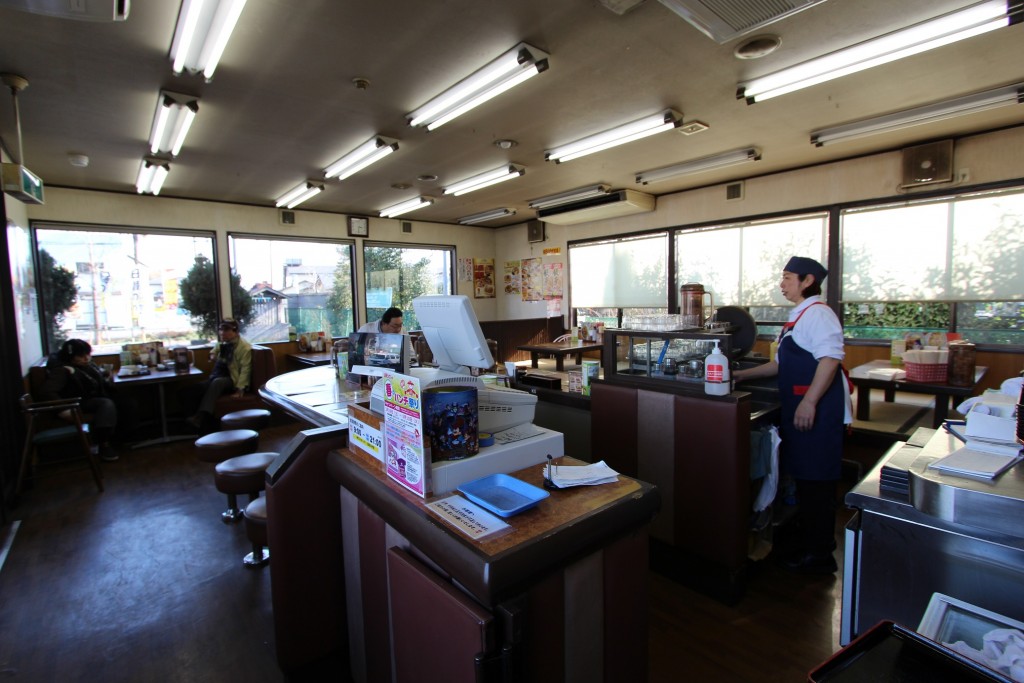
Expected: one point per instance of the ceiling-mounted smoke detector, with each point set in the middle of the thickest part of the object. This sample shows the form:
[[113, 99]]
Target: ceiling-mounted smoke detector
[[723, 20]]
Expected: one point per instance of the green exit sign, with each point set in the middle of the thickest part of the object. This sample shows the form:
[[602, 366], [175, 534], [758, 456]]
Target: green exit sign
[[22, 184]]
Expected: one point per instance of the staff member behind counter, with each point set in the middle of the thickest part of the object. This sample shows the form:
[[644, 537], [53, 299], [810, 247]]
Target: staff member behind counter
[[815, 407]]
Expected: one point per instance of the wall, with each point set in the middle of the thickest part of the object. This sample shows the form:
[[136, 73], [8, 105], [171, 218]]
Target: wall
[[23, 287]]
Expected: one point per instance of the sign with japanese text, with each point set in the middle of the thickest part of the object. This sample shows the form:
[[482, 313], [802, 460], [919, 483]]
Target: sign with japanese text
[[404, 457]]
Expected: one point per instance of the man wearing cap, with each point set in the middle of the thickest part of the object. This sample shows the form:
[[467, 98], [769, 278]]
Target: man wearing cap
[[232, 369], [815, 405]]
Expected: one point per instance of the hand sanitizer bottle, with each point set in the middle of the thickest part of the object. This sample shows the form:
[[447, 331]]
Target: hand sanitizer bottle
[[716, 373]]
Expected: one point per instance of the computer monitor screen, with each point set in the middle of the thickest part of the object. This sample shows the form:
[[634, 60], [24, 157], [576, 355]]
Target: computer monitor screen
[[453, 332], [382, 350]]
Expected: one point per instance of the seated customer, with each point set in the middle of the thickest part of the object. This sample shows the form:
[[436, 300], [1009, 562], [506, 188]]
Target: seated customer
[[232, 370], [390, 322], [70, 373]]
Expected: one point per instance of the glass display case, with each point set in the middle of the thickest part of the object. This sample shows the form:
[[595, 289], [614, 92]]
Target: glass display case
[[660, 355]]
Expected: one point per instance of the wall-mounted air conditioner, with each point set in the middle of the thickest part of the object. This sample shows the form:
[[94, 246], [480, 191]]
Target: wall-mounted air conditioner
[[611, 205], [87, 10]]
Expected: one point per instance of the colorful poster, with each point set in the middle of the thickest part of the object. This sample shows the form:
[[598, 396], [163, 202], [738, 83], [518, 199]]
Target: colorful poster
[[465, 270], [404, 457], [483, 278], [553, 280], [513, 277], [533, 279]]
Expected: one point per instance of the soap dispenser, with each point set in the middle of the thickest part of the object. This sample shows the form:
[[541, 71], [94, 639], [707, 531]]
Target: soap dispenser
[[716, 373]]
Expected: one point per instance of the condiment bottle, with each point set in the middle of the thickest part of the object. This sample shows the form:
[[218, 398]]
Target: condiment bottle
[[716, 373]]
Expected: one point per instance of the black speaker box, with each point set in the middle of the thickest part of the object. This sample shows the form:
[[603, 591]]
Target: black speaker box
[[928, 163]]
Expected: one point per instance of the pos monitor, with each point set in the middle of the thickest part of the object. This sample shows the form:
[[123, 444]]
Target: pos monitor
[[450, 327]]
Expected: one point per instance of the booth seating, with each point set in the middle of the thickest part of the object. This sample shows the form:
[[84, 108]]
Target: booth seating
[[241, 474], [55, 422], [256, 530], [253, 418], [263, 368]]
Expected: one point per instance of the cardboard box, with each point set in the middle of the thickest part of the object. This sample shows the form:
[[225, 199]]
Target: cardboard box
[[993, 418]]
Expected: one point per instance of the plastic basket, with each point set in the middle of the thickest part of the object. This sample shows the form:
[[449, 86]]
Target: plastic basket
[[925, 372]]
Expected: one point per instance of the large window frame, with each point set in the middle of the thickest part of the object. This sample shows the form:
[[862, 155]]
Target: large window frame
[[383, 288]]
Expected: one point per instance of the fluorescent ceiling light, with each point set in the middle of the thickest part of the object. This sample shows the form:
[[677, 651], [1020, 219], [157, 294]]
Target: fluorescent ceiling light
[[152, 174], [369, 152], [929, 113], [485, 216], [174, 115], [576, 195], [640, 128], [507, 71], [477, 182], [406, 207], [299, 194], [708, 163], [943, 30], [202, 32]]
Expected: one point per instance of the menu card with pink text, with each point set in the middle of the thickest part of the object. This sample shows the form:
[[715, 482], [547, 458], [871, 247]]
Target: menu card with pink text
[[404, 457]]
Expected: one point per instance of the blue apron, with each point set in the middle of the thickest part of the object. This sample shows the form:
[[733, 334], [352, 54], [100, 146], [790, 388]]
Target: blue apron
[[815, 454]]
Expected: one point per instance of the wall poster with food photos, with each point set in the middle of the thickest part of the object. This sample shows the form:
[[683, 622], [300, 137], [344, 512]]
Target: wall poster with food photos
[[513, 277], [553, 280], [483, 278], [533, 279]]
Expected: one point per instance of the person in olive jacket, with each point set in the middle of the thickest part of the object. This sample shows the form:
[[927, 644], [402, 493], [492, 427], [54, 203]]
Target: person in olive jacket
[[232, 372]]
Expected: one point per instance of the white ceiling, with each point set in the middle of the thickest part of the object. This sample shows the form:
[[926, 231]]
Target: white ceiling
[[282, 105]]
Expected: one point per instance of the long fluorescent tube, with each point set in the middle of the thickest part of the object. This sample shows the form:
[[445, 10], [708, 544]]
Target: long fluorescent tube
[[641, 128], [507, 71], [943, 30], [406, 207], [486, 216], [171, 122], [929, 113], [576, 195], [477, 182], [299, 194], [152, 174], [707, 163], [370, 152], [202, 33]]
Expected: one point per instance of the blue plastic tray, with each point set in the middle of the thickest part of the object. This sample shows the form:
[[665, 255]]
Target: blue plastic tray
[[503, 495]]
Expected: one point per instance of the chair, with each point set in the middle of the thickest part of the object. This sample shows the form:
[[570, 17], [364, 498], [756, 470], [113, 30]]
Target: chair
[[563, 338], [241, 474], [256, 530], [50, 423]]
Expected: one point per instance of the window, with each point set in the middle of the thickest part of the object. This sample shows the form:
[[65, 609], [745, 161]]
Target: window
[[110, 287], [397, 274], [954, 265], [615, 278], [306, 284], [741, 265]]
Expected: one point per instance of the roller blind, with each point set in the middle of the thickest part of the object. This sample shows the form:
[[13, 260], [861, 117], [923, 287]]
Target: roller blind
[[624, 273]]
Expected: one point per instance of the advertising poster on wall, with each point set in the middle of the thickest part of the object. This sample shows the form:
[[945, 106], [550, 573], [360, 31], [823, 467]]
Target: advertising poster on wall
[[404, 456], [533, 279], [483, 278], [513, 277], [465, 269], [553, 280]]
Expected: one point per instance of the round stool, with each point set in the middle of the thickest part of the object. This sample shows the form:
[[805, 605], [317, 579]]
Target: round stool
[[219, 446], [256, 530], [254, 418], [241, 474]]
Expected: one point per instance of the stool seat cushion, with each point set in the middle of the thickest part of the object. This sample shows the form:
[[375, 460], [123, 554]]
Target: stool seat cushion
[[253, 418], [243, 473], [219, 446], [256, 521]]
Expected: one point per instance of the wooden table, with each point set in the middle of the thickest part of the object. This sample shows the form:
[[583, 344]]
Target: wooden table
[[559, 350], [311, 359], [940, 390], [159, 378]]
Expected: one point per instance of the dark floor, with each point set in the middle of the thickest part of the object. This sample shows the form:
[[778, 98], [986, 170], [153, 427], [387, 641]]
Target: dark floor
[[145, 583]]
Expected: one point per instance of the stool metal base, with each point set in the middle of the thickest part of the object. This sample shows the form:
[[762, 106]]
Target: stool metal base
[[231, 515], [251, 561]]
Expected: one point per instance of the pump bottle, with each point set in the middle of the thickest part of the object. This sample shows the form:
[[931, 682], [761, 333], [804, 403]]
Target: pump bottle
[[716, 373]]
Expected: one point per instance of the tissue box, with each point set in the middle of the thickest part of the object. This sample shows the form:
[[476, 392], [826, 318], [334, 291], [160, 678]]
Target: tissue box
[[993, 418]]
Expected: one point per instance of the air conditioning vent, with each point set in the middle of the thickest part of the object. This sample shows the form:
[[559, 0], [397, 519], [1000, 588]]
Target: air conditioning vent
[[86, 10], [723, 20], [611, 205]]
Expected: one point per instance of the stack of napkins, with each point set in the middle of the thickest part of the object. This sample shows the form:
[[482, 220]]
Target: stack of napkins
[[564, 476]]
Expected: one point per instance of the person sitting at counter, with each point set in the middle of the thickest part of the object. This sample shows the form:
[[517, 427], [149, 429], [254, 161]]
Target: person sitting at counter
[[815, 406], [389, 323], [232, 371]]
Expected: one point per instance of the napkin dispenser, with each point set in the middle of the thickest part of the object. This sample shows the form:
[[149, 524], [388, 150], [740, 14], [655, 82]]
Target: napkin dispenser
[[993, 418]]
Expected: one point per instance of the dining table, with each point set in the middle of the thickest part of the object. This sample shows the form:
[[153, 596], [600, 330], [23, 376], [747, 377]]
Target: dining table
[[152, 376], [864, 380], [560, 350]]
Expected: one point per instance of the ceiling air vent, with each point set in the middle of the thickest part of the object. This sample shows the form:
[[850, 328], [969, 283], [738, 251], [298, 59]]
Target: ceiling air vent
[[723, 20], [611, 205]]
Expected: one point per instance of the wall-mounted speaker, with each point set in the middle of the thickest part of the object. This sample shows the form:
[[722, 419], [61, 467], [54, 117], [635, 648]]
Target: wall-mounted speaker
[[927, 164], [406, 226], [287, 217], [535, 231]]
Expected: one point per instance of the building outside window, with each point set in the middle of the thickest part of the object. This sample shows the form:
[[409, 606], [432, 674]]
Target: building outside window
[[396, 274], [306, 284], [114, 286]]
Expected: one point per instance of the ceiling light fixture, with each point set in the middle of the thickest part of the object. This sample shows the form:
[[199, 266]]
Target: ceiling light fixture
[[152, 174], [406, 207], [371, 151], [507, 71], [299, 194], [171, 122], [640, 128], [486, 216], [943, 30], [707, 163], [929, 113], [202, 33], [478, 182], [576, 195]]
